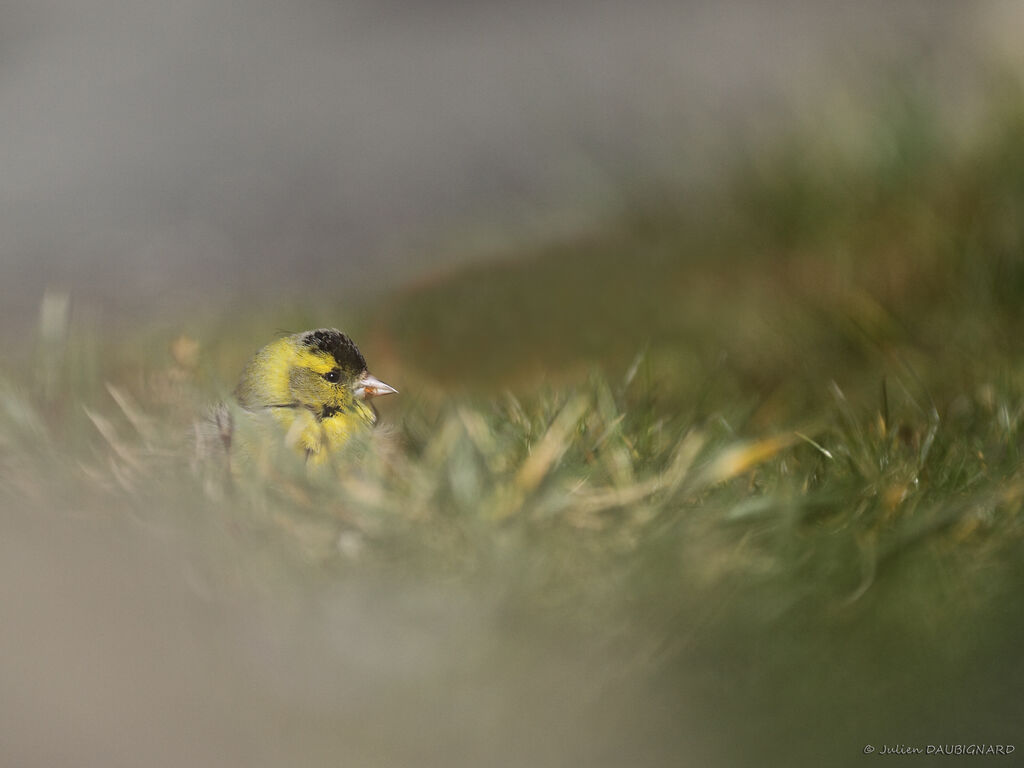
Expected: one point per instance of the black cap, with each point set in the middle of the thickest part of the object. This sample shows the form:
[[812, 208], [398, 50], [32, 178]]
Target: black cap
[[339, 346]]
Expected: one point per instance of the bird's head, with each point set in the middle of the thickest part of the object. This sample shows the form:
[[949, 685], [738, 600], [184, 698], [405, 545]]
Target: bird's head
[[318, 377]]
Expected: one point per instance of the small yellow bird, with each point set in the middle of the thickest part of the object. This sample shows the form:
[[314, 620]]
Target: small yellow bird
[[316, 387]]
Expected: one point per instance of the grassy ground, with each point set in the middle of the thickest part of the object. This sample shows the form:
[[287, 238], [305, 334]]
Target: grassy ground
[[734, 480]]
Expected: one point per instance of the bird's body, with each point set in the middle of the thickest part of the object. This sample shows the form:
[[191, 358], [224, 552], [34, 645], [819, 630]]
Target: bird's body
[[313, 388]]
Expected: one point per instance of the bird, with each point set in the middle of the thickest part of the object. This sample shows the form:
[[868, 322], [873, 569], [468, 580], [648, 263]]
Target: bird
[[312, 389]]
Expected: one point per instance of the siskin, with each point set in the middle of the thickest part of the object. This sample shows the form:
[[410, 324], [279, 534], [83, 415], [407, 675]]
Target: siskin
[[313, 388]]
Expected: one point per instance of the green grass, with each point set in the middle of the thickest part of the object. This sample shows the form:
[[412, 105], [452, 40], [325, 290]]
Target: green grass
[[761, 450]]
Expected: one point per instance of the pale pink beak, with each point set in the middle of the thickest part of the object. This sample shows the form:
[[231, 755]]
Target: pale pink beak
[[368, 387]]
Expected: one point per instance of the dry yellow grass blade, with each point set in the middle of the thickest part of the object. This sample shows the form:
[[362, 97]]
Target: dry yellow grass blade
[[551, 447], [682, 461], [109, 433], [743, 457], [133, 412], [670, 480]]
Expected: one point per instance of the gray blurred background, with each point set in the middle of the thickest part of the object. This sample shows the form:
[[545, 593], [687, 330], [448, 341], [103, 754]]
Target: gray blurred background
[[163, 157]]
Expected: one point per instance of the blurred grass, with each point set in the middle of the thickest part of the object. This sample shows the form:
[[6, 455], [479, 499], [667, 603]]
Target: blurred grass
[[765, 445]]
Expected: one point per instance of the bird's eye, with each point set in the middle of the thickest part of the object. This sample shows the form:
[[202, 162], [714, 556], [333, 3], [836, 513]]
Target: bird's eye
[[333, 376]]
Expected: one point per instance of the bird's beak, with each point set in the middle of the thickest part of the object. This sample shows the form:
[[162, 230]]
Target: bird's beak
[[368, 387]]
